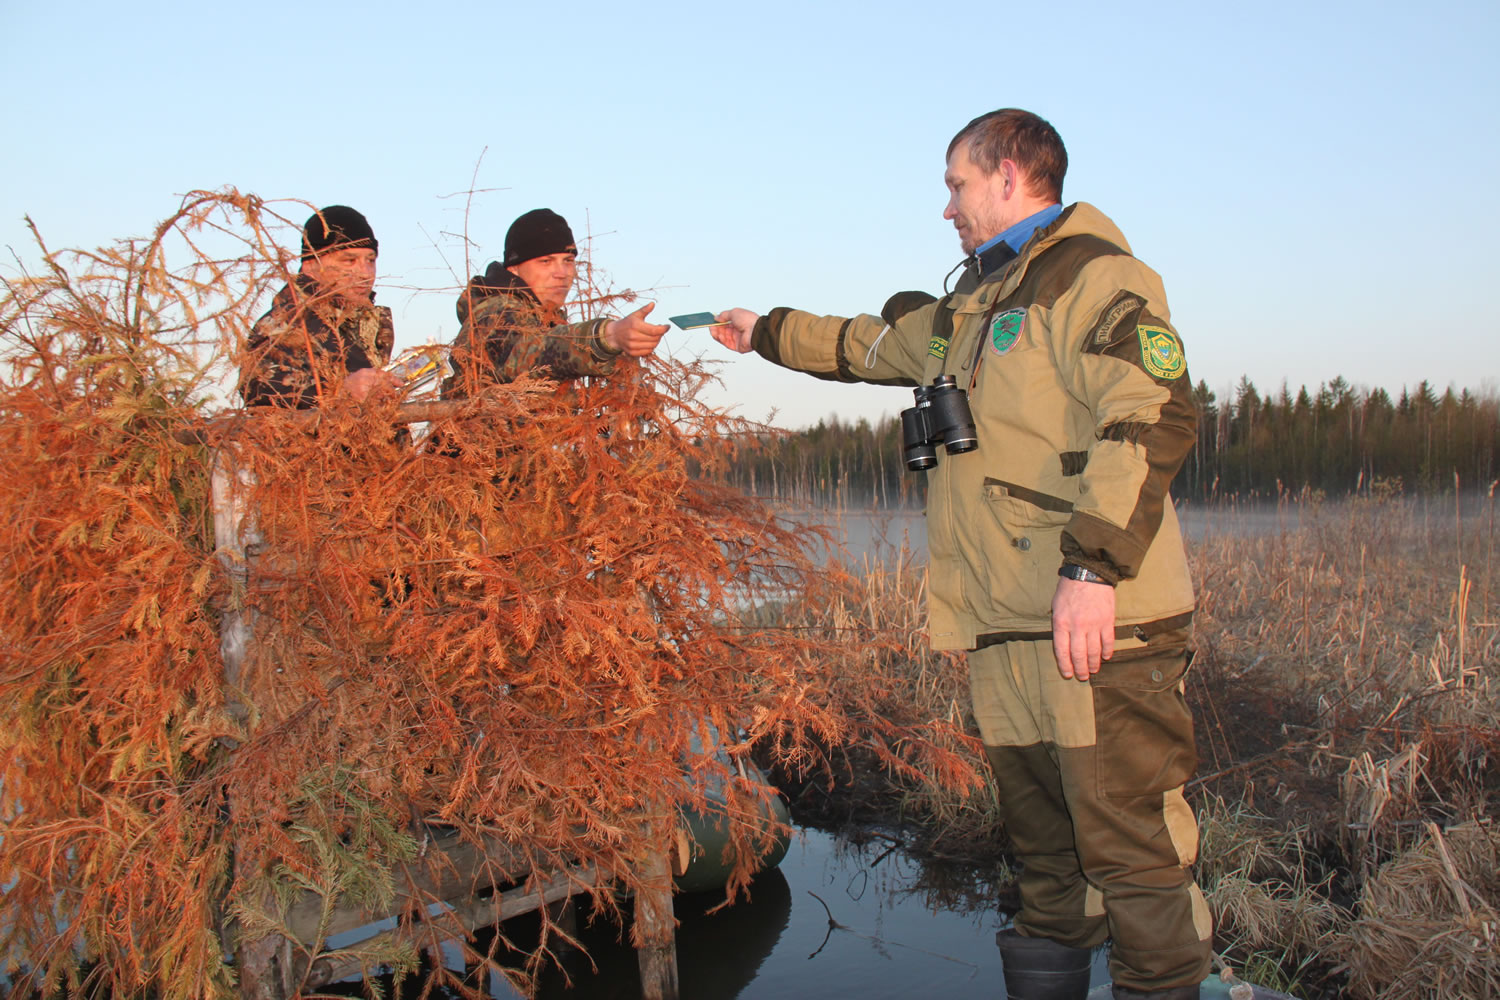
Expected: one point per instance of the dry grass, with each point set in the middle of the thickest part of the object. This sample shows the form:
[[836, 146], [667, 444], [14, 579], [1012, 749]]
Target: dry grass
[[898, 678], [1346, 697], [1426, 925]]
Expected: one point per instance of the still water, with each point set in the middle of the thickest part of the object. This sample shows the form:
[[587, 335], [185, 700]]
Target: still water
[[909, 928], [878, 533]]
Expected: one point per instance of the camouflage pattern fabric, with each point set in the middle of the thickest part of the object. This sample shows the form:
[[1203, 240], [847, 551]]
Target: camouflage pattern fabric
[[307, 342], [506, 332]]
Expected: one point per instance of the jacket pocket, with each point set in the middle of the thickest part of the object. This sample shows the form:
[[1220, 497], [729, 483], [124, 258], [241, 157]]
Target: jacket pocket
[[1022, 554], [1142, 725]]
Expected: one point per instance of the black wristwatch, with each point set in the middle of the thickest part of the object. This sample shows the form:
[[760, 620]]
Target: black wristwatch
[[1075, 572]]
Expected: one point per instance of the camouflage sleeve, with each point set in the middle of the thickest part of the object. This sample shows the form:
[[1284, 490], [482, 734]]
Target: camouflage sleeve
[[512, 344], [385, 340], [1122, 358], [278, 371]]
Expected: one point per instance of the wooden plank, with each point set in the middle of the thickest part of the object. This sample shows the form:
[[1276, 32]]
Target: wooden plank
[[465, 914], [459, 868]]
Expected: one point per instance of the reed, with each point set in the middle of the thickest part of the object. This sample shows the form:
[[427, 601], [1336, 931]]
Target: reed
[[1345, 693]]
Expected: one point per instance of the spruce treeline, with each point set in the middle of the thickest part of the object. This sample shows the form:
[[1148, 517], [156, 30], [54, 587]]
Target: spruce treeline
[[1338, 439]]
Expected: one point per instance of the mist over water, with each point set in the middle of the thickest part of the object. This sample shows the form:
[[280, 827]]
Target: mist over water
[[878, 533]]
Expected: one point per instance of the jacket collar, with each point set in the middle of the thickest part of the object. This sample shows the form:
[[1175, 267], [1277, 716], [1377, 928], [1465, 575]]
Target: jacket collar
[[496, 280], [1077, 219]]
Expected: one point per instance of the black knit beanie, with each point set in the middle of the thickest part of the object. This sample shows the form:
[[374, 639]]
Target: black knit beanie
[[337, 227], [539, 233]]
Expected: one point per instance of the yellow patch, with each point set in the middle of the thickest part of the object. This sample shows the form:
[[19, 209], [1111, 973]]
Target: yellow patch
[[1161, 352]]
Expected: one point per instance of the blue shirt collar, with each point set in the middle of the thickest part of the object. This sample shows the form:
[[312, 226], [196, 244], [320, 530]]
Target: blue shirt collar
[[1016, 236]]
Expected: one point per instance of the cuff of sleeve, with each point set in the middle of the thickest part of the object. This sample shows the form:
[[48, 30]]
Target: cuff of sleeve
[[602, 351], [765, 338], [1095, 561]]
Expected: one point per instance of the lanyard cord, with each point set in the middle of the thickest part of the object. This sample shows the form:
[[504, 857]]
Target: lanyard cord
[[984, 325]]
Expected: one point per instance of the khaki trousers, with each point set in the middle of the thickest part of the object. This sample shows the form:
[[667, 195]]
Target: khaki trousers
[[1090, 778]]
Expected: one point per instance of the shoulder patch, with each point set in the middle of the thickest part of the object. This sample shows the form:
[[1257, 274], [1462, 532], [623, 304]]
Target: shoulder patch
[[1110, 319], [1161, 352], [942, 328], [1005, 330]]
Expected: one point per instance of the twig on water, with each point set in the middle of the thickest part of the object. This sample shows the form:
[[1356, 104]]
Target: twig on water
[[834, 925]]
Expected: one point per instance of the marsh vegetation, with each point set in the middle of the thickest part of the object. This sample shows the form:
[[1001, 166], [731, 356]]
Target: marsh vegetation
[[1345, 694]]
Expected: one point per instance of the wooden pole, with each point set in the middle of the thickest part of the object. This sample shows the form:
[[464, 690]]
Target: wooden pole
[[655, 933]]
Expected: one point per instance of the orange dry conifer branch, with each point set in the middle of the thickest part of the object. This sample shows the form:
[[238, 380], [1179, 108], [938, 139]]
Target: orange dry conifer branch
[[528, 630]]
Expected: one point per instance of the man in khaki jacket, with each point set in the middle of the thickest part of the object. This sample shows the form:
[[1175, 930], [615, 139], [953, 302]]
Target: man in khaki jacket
[[1056, 556]]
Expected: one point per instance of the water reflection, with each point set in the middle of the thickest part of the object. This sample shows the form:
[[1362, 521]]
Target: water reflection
[[718, 954], [837, 919]]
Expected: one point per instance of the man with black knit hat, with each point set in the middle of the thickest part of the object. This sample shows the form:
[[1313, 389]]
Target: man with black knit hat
[[512, 319], [323, 334]]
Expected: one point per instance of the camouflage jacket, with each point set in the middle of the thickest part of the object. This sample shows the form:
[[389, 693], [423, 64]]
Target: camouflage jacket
[[305, 344], [505, 332]]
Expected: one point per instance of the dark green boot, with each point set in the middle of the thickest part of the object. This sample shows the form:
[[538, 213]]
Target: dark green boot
[[1038, 969]]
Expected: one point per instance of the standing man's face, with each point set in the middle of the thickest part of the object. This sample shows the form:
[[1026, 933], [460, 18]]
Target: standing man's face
[[348, 273], [550, 277], [979, 204]]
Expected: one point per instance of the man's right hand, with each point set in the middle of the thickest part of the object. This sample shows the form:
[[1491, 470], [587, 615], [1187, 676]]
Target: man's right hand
[[737, 329], [633, 335]]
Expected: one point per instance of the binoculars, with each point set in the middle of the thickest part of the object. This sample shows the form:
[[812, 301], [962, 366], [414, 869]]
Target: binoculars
[[941, 416]]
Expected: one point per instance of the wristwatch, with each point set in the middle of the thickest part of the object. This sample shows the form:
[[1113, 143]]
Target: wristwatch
[[1075, 572]]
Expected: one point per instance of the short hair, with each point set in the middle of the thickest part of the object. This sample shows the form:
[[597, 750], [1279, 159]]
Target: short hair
[[1027, 139]]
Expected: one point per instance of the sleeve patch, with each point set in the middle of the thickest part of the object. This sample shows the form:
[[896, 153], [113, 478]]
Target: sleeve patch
[[1161, 352], [942, 329], [1113, 318]]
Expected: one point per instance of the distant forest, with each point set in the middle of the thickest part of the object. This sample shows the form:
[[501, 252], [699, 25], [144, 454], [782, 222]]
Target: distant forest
[[1336, 439]]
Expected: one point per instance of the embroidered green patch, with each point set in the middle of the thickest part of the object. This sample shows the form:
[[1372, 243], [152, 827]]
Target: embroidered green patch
[[938, 347], [1006, 329], [1161, 352]]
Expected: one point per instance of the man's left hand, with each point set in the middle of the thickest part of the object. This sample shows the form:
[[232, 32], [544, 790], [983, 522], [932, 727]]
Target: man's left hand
[[360, 384], [1083, 627]]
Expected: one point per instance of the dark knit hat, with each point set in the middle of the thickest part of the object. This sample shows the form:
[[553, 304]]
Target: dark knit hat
[[337, 227], [541, 232]]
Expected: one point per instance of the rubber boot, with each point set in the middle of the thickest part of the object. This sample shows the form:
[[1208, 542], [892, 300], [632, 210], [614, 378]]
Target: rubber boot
[[1175, 993], [1038, 969]]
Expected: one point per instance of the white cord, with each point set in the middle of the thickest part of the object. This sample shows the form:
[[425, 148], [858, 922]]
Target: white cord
[[870, 354]]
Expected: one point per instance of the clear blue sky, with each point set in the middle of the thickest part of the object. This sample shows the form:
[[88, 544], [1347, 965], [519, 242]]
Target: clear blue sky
[[1316, 183]]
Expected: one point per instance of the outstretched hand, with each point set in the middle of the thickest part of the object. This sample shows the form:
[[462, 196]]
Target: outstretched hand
[[736, 330], [633, 335]]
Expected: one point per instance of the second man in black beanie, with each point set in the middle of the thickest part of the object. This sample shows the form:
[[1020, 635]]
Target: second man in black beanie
[[512, 319]]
